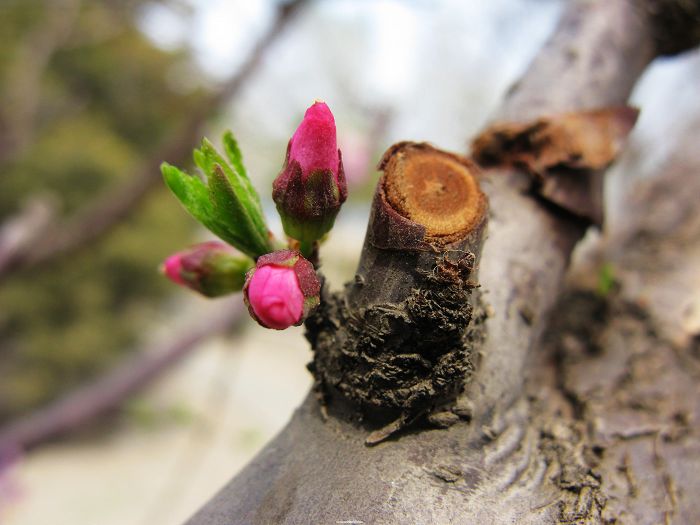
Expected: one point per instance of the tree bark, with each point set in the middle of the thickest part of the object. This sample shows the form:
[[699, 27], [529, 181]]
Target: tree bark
[[624, 366], [510, 457], [400, 341]]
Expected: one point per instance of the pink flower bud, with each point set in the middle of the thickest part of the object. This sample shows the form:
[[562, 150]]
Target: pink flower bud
[[281, 290], [314, 145], [210, 268], [172, 268], [311, 186]]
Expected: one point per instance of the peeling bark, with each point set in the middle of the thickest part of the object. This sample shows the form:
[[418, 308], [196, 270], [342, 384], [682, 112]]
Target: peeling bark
[[566, 154]]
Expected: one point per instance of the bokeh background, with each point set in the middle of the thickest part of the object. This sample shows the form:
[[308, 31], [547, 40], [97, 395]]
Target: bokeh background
[[135, 400]]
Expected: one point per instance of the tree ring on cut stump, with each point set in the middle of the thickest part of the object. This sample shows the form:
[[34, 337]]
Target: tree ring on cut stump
[[434, 189]]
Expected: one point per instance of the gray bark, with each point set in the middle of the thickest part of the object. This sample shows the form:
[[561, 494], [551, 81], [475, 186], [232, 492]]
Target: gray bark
[[526, 455]]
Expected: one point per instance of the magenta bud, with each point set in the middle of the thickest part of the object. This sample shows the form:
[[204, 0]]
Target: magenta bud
[[311, 187], [172, 268], [210, 268], [281, 290]]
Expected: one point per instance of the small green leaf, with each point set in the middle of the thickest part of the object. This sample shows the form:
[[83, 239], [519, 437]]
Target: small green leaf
[[190, 190], [234, 155], [606, 279], [196, 198], [227, 204], [242, 187], [231, 210], [233, 152]]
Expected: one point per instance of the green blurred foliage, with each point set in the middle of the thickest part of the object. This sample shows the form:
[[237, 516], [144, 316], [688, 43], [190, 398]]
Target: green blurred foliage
[[102, 103], [606, 279]]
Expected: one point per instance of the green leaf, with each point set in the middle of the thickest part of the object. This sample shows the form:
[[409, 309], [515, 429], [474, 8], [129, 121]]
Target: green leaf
[[241, 185], [196, 198], [227, 204], [231, 210], [606, 279], [190, 190], [235, 156], [233, 152]]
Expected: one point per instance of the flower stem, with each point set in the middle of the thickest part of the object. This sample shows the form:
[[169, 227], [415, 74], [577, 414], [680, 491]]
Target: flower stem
[[309, 249]]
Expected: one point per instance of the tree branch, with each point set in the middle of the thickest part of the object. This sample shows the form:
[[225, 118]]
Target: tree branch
[[109, 391], [101, 215], [394, 343], [495, 468], [621, 368], [25, 228]]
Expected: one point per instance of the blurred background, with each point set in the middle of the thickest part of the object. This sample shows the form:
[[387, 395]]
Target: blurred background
[[122, 398]]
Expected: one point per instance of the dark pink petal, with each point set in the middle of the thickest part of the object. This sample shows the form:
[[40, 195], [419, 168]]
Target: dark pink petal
[[275, 296], [314, 145], [172, 268]]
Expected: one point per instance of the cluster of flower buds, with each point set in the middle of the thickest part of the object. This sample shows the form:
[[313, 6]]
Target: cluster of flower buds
[[281, 287]]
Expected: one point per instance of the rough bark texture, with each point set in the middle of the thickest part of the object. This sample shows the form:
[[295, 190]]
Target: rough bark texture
[[625, 365], [399, 342], [535, 458]]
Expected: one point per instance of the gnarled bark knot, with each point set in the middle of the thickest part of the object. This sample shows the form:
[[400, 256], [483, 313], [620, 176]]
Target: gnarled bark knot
[[398, 345]]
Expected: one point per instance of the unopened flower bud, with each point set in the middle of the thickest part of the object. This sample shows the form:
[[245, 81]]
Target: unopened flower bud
[[282, 289], [311, 186], [210, 268]]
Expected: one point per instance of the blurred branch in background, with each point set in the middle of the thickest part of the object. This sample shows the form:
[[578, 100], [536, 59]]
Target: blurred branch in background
[[24, 228], [19, 110], [111, 390], [103, 213]]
